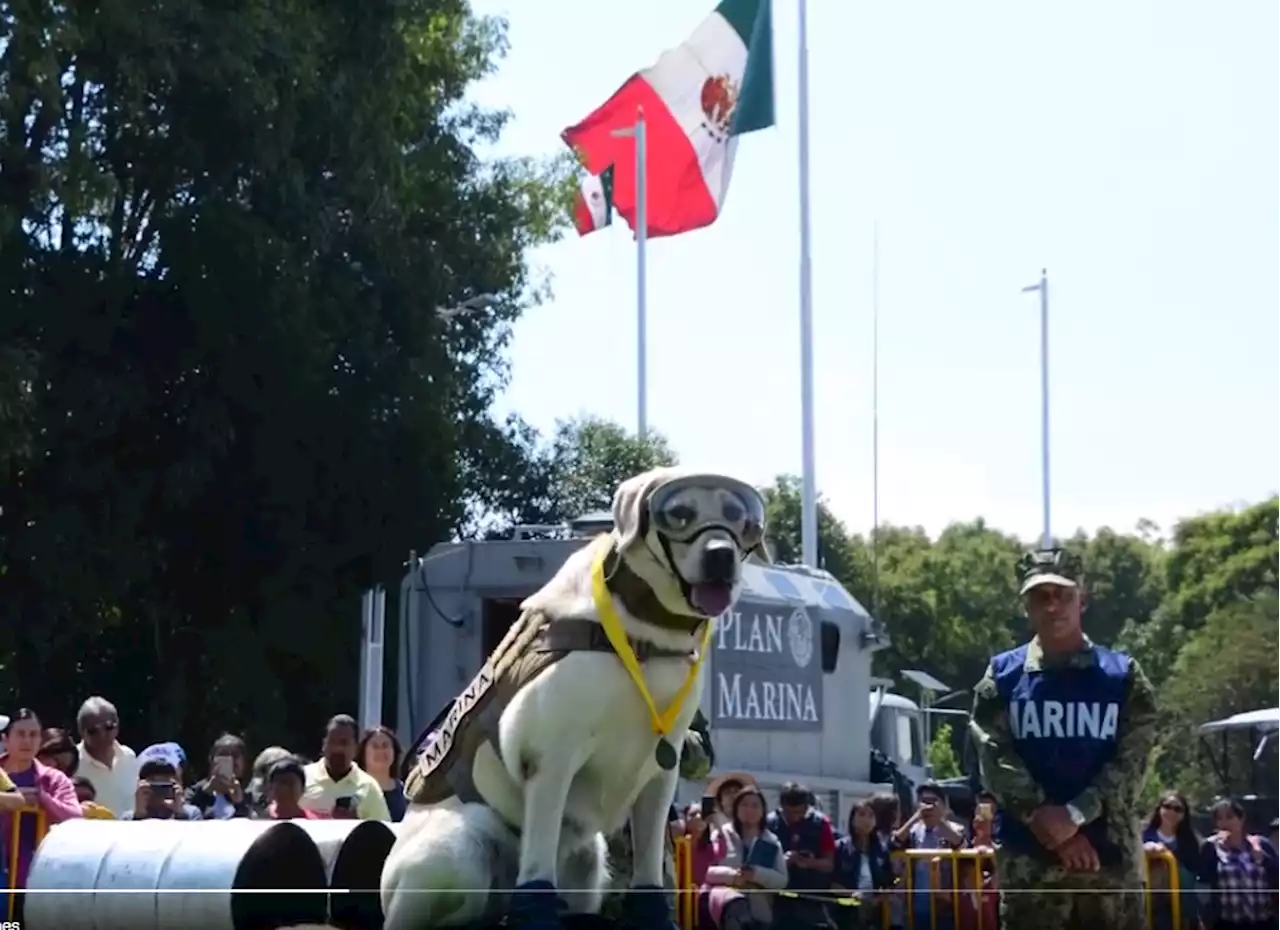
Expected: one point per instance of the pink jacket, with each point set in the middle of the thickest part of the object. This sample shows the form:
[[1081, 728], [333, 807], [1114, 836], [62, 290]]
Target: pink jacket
[[57, 793]]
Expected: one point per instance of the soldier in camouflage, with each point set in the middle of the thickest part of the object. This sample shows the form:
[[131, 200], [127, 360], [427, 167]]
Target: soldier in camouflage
[[1064, 728]]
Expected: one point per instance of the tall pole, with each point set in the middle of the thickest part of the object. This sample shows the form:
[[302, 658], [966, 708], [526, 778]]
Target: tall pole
[[1046, 537], [875, 420], [642, 238], [809, 480]]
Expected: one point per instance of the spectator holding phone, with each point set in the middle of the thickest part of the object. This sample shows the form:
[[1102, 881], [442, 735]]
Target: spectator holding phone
[[929, 828], [336, 785], [753, 861], [159, 795], [221, 796]]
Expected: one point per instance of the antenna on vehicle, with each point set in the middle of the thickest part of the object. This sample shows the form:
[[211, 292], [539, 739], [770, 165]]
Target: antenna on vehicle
[[875, 420]]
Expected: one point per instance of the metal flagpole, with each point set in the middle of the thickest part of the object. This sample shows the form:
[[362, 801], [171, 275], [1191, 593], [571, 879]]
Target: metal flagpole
[[642, 240], [875, 420], [1046, 539], [642, 237], [809, 489]]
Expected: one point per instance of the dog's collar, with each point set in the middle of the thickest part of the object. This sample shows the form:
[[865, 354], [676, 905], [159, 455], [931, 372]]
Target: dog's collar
[[639, 600], [589, 636]]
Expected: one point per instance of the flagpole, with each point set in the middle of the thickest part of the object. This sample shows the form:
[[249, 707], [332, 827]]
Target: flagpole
[[875, 420], [642, 238], [809, 490], [1046, 538]]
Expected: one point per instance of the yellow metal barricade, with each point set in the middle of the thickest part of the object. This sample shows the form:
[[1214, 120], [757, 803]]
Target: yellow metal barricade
[[1164, 858], [973, 864], [686, 893], [16, 820], [971, 885]]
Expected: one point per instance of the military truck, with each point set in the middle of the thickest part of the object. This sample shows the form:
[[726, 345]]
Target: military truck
[[788, 690]]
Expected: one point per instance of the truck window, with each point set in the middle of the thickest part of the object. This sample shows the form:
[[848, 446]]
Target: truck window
[[908, 746]]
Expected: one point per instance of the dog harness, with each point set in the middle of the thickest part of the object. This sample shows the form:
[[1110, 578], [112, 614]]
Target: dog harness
[[443, 768]]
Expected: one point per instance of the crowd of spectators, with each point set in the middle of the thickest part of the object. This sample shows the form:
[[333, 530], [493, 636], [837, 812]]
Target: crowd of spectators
[[45, 771], [819, 873]]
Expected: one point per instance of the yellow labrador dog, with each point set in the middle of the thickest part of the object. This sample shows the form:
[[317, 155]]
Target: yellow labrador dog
[[552, 747]]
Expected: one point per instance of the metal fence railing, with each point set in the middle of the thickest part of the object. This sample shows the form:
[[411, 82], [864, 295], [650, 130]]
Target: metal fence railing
[[13, 849], [960, 881]]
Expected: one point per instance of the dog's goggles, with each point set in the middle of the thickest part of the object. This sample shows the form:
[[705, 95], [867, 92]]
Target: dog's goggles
[[683, 508]]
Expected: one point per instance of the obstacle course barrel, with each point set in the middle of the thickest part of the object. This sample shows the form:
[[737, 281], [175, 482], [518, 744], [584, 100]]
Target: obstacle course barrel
[[212, 861], [353, 852]]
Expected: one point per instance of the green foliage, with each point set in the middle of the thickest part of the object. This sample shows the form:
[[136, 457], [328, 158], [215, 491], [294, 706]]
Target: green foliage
[[943, 762], [227, 403]]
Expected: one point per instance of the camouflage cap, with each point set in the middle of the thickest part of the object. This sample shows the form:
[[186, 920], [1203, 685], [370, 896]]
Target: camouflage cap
[[1049, 566]]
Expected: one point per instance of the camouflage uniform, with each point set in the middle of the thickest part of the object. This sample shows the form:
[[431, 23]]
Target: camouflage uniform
[[696, 761], [1111, 897]]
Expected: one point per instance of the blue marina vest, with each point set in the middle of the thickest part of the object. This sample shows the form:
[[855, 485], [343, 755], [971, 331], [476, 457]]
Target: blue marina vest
[[1064, 723]]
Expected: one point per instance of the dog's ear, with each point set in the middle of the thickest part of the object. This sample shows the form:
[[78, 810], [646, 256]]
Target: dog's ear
[[628, 510]]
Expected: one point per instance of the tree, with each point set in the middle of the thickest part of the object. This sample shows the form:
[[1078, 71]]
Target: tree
[[943, 763], [228, 403], [1214, 560], [1227, 666], [783, 508], [589, 457]]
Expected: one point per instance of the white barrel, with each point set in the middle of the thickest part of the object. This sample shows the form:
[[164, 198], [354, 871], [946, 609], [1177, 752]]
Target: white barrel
[[353, 852], [169, 874]]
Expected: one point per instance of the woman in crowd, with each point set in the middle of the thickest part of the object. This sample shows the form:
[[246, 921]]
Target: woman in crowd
[[753, 861], [58, 751], [1241, 872], [862, 863], [379, 754], [888, 811], [1169, 828], [222, 795], [41, 786]]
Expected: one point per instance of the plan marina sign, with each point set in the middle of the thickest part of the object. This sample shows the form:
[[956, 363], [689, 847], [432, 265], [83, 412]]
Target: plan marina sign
[[766, 669]]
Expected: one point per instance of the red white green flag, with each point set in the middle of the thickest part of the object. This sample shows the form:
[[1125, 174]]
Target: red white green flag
[[593, 206], [697, 99]]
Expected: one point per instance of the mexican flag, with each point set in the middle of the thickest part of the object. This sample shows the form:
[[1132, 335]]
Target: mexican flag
[[593, 206], [697, 100]]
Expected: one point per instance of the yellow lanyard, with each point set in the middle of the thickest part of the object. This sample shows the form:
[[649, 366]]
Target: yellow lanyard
[[612, 623]]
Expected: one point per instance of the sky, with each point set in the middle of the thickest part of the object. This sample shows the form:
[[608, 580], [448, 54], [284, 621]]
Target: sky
[[1132, 149]]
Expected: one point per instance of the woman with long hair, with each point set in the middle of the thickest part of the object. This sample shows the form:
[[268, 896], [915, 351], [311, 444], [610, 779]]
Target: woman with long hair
[[862, 860], [1169, 828], [754, 862], [44, 788], [379, 754], [1240, 869]]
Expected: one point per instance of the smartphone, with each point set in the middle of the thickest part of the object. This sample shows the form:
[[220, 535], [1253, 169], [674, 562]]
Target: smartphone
[[162, 790], [224, 767], [708, 806], [345, 803]]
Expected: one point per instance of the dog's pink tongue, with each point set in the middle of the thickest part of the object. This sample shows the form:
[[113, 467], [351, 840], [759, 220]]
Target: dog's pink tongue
[[712, 599]]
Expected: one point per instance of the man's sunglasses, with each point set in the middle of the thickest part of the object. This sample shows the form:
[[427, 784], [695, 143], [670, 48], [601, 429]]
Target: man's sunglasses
[[101, 728]]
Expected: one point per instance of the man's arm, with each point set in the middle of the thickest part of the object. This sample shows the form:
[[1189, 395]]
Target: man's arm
[[1119, 785], [1004, 773]]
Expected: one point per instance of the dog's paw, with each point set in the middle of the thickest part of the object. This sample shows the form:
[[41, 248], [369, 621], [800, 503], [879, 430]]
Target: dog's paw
[[535, 906], [647, 907]]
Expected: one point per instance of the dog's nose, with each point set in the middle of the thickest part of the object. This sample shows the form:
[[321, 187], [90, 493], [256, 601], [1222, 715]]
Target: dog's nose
[[719, 560]]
